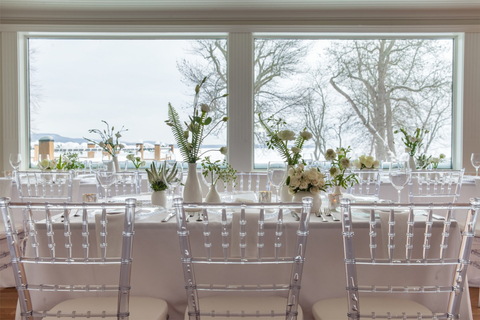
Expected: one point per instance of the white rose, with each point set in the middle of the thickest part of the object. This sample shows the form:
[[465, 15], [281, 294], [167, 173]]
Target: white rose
[[295, 149], [368, 163], [311, 175], [300, 166], [314, 181], [361, 159], [286, 135], [303, 185], [376, 164], [330, 155], [408, 150], [334, 171], [357, 164], [295, 182], [306, 135], [369, 158], [315, 190]]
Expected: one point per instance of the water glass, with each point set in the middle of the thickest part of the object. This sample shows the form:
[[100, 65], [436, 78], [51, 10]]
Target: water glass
[[106, 177], [277, 174], [15, 160], [399, 174], [475, 159]]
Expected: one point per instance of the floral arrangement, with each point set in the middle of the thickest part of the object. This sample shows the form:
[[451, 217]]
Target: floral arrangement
[[436, 160], [160, 178], [61, 164], [218, 171], [47, 164], [366, 162], [278, 139], [412, 142], [299, 179], [189, 139], [137, 161], [338, 171], [109, 139], [72, 161]]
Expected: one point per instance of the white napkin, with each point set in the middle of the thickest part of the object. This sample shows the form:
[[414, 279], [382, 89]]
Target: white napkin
[[401, 219], [115, 224]]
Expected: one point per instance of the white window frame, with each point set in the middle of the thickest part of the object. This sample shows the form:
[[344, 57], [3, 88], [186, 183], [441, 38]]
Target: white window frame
[[240, 78]]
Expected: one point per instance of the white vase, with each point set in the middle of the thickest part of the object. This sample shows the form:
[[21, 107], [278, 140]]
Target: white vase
[[411, 163], [317, 201], [115, 163], [192, 191], [334, 198], [213, 196], [285, 196], [159, 198]]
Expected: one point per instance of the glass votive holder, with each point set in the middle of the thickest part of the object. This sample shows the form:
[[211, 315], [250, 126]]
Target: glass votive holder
[[264, 196], [89, 197]]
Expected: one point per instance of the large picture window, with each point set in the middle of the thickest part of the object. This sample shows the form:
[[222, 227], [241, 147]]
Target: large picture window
[[356, 93], [76, 83]]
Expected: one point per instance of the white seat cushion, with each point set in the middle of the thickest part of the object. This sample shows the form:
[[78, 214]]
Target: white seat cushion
[[141, 308], [247, 304], [336, 309]]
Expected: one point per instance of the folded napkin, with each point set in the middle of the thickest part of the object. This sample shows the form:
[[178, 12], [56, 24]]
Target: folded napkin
[[115, 224], [401, 219]]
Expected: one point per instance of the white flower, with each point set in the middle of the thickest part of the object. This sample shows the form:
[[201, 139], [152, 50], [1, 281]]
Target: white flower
[[294, 182], [110, 140], [340, 152], [412, 139], [315, 190], [362, 159], [286, 135], [345, 163], [435, 160], [376, 164], [306, 135], [408, 150], [205, 107], [223, 150], [311, 174], [303, 185], [330, 155], [334, 171], [130, 157], [118, 135], [295, 150], [291, 190], [300, 167], [369, 163], [357, 164], [291, 171], [442, 156], [369, 158]]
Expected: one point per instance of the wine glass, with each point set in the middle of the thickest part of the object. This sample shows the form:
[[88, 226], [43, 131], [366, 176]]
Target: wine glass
[[106, 177], [276, 173], [399, 174], [475, 159], [308, 158], [15, 160], [175, 171]]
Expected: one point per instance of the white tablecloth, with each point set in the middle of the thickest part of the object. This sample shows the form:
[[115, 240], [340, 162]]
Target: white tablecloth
[[157, 269]]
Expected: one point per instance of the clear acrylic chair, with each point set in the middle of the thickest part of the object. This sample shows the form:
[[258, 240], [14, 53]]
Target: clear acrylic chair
[[54, 186], [368, 185], [221, 271], [60, 273], [415, 270], [435, 185], [127, 182]]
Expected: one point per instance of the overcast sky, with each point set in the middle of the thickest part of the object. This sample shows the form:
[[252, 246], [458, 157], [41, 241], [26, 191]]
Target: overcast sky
[[125, 82]]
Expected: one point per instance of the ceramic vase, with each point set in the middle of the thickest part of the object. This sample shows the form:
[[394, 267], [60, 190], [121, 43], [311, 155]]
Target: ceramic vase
[[317, 201], [192, 192], [213, 196], [159, 198], [285, 196], [115, 163], [411, 163]]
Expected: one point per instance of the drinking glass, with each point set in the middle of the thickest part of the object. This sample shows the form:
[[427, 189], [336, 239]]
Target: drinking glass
[[308, 158], [276, 173], [15, 160], [177, 177], [106, 177], [399, 175], [475, 158]]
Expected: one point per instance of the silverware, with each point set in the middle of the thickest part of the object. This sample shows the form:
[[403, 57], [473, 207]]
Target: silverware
[[330, 214], [321, 215], [169, 216], [334, 217], [295, 215]]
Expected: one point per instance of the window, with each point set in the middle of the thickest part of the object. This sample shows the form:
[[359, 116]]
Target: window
[[355, 92], [75, 83]]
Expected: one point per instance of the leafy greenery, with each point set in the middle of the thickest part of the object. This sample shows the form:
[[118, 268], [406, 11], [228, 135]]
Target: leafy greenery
[[338, 171], [190, 138], [160, 178], [278, 139], [109, 139], [218, 171], [137, 161], [73, 162], [412, 142]]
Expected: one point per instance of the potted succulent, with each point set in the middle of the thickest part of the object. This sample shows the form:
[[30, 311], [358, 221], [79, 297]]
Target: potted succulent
[[160, 180]]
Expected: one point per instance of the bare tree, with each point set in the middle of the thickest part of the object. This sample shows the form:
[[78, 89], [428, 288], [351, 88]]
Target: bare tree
[[388, 83]]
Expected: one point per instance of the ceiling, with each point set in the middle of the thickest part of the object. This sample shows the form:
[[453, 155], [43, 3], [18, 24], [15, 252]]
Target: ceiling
[[12, 11]]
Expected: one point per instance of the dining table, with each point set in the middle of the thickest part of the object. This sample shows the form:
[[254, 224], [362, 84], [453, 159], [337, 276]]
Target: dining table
[[157, 269]]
